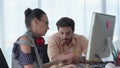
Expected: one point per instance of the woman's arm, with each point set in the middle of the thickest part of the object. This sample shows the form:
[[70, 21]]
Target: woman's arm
[[26, 49], [58, 59], [70, 66], [54, 61], [49, 64]]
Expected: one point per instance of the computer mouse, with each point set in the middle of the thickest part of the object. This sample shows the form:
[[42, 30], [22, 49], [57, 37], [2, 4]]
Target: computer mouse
[[110, 65]]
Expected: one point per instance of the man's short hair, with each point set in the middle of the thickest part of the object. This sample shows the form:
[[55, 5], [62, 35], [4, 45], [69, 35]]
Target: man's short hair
[[65, 21]]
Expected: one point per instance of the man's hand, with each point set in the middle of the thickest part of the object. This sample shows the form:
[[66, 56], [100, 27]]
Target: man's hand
[[76, 60], [70, 66], [63, 58]]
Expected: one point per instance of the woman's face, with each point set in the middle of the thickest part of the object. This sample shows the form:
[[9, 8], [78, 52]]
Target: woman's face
[[41, 26]]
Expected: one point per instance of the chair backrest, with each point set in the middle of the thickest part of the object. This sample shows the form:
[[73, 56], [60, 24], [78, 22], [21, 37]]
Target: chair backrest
[[45, 55], [3, 63]]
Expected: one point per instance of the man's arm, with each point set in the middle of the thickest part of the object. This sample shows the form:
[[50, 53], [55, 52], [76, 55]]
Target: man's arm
[[83, 46], [84, 42], [53, 49]]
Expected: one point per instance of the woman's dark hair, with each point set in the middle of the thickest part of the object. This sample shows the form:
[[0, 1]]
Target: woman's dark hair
[[65, 21], [31, 14]]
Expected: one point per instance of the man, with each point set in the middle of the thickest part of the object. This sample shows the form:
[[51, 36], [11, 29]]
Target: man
[[65, 43]]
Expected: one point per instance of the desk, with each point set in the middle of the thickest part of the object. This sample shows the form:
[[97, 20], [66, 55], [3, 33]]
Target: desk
[[83, 65], [87, 66]]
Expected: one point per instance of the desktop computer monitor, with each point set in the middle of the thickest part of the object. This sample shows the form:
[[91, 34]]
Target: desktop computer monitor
[[3, 62], [101, 35]]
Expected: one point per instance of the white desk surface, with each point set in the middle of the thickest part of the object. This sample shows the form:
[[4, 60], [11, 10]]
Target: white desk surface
[[87, 66]]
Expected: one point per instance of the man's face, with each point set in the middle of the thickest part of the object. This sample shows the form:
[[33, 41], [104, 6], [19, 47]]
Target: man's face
[[66, 34]]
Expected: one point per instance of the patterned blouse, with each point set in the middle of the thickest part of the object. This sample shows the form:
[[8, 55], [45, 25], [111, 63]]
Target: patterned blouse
[[27, 58]]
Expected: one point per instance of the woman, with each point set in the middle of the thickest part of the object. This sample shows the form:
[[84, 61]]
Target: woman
[[26, 53]]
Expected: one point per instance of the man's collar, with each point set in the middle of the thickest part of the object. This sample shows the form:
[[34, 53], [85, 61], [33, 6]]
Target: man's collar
[[72, 42]]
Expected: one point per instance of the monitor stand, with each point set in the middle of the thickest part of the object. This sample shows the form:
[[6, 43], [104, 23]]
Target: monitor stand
[[112, 49]]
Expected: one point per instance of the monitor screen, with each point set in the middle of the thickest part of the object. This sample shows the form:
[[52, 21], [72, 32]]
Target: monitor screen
[[102, 27]]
